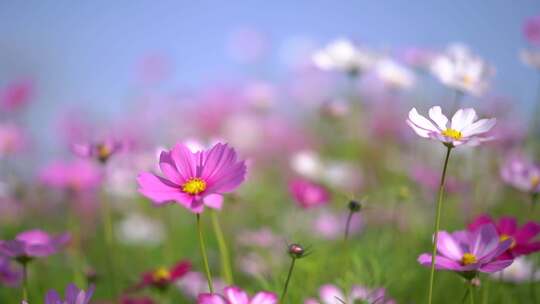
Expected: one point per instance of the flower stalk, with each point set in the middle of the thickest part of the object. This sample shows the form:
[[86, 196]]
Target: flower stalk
[[226, 268], [204, 255]]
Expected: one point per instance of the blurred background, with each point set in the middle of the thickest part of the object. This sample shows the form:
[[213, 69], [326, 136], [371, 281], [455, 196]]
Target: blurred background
[[96, 56]]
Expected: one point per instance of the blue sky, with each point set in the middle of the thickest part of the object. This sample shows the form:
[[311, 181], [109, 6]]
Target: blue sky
[[85, 51]]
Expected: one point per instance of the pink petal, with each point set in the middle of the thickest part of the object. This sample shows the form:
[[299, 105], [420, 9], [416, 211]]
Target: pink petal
[[480, 221], [496, 266], [168, 167], [235, 295], [185, 161], [159, 189], [264, 297], [440, 262], [214, 201], [507, 225], [207, 298], [527, 232], [447, 246], [330, 294], [484, 240]]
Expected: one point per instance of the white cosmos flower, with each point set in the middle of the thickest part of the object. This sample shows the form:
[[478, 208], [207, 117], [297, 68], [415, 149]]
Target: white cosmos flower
[[520, 271], [308, 164], [464, 128], [394, 74], [460, 69], [343, 55], [137, 229]]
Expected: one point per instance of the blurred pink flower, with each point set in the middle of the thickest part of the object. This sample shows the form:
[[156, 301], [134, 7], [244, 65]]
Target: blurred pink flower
[[8, 275], [462, 129], [331, 226], [73, 295], [131, 300], [162, 277], [429, 179], [521, 174], [33, 243], [194, 179], [331, 294], [16, 95], [12, 139], [308, 194], [235, 295], [531, 30], [101, 151], [194, 283], [79, 175], [468, 252]]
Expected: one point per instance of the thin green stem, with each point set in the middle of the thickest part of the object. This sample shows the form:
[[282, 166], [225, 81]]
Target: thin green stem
[[284, 292], [203, 253], [226, 268], [437, 224], [471, 292], [25, 281], [109, 241], [348, 225]]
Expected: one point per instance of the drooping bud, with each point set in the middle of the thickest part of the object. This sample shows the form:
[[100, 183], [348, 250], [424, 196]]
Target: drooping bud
[[296, 251], [355, 206]]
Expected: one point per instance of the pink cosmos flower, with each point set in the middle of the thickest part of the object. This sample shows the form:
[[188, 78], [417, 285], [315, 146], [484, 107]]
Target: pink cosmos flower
[[194, 283], [468, 252], [73, 295], [12, 139], [235, 295], [101, 151], [8, 275], [16, 95], [33, 243], [331, 294], [77, 175], [531, 30], [331, 226], [522, 238], [463, 128], [521, 174], [194, 179], [130, 300], [162, 277], [308, 194]]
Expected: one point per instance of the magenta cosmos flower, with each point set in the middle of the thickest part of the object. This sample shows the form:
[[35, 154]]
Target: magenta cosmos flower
[[462, 129], [73, 295], [468, 252], [33, 243], [531, 30], [521, 174], [76, 176], [163, 277], [331, 294], [523, 239], [235, 295], [308, 194], [194, 179], [16, 94], [100, 151]]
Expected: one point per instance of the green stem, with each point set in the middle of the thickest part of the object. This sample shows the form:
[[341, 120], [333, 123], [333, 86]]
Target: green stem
[[471, 292], [109, 242], [348, 225], [437, 223], [226, 268], [25, 281], [284, 292], [203, 253]]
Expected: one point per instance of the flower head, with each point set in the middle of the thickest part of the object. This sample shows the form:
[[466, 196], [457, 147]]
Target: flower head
[[73, 295], [343, 55], [462, 129], [531, 30], [394, 74], [235, 295], [16, 95], [521, 174], [33, 243], [522, 238], [100, 151], [468, 252], [331, 294], [77, 175], [308, 194], [194, 179], [460, 69], [163, 277]]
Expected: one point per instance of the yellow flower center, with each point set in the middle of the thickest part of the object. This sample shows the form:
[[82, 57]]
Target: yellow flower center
[[505, 237], [161, 274], [468, 259], [452, 133], [103, 152], [535, 181], [194, 186]]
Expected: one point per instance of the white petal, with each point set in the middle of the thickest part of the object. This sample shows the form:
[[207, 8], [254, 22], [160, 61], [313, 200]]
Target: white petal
[[463, 118], [481, 126], [419, 131], [420, 121], [435, 113]]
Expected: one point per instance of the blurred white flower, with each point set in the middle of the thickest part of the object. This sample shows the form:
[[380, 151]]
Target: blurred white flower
[[343, 55], [307, 164], [137, 229], [520, 271], [530, 58], [462, 70], [394, 74]]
